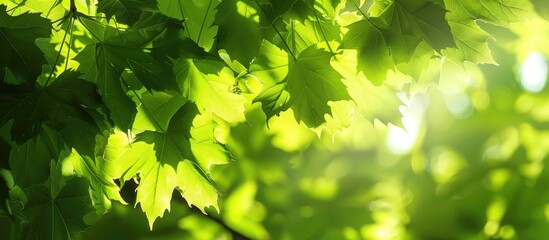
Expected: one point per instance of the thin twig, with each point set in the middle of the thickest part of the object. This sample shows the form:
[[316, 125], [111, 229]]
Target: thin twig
[[58, 54]]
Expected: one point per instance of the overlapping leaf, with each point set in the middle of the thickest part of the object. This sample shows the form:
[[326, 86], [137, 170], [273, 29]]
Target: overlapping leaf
[[104, 62], [208, 83], [372, 102], [198, 17], [177, 157], [271, 68], [397, 30], [126, 11], [307, 86], [312, 82], [500, 12], [470, 39], [309, 33], [374, 56], [103, 187], [239, 32], [67, 98], [292, 9], [19, 51], [427, 20], [57, 216], [30, 163], [156, 109]]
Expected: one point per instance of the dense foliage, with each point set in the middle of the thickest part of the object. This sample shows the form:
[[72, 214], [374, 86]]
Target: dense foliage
[[282, 119]]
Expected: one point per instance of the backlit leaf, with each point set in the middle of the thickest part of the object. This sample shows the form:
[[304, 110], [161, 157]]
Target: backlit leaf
[[374, 56], [208, 83], [308, 85], [240, 32], [198, 17], [126, 11], [164, 161], [156, 110]]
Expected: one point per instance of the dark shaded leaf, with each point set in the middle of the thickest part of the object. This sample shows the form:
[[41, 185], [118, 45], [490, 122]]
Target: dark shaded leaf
[[17, 44]]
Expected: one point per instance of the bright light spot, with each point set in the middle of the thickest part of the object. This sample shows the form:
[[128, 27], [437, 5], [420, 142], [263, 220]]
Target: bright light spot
[[507, 232], [459, 105], [469, 81], [445, 164], [533, 73], [491, 228], [246, 10], [401, 140]]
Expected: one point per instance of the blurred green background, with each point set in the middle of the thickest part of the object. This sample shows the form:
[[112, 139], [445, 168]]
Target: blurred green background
[[466, 161]]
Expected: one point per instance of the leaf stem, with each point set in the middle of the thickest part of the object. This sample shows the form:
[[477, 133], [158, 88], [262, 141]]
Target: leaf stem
[[203, 21], [70, 44], [184, 20], [16, 6], [149, 114], [365, 16], [277, 32], [284, 41], [58, 55], [322, 32], [52, 6], [118, 31], [91, 32], [293, 34], [235, 234], [73, 7]]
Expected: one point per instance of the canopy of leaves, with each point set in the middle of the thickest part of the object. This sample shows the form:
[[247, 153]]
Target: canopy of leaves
[[113, 102]]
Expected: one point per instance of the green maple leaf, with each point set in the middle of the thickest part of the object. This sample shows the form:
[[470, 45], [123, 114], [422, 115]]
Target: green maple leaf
[[312, 82], [470, 39], [426, 20], [104, 62], [81, 135], [271, 68], [126, 11], [239, 32], [405, 23], [57, 216], [156, 110], [373, 55], [17, 44], [372, 102], [307, 86], [309, 33], [65, 99], [177, 158], [291, 9], [400, 35], [208, 83], [327, 7], [471, 43], [103, 187], [174, 44], [198, 16], [98, 64], [29, 163], [501, 12]]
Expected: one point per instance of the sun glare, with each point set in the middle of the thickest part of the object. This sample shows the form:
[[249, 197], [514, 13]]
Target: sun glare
[[533, 72]]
